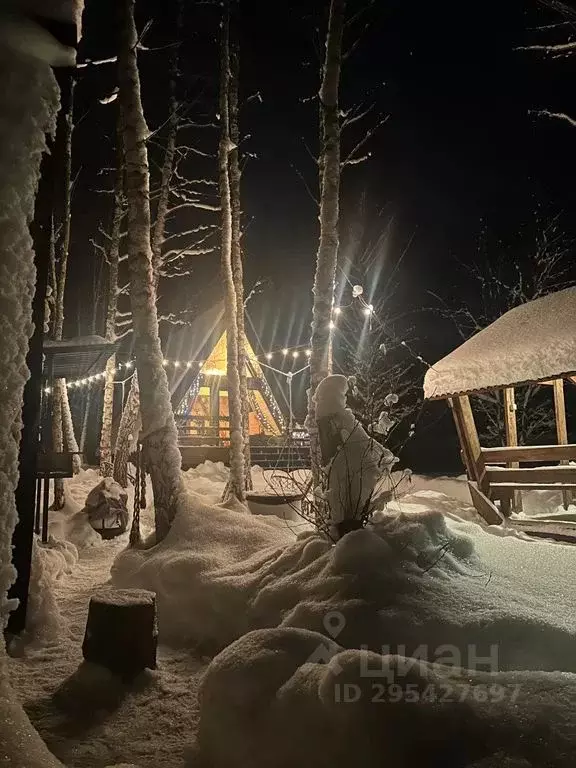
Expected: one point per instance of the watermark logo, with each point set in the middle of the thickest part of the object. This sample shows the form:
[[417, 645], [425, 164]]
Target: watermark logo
[[386, 682]]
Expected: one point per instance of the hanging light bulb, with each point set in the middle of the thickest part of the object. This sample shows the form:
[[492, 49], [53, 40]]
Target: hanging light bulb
[[295, 354], [269, 356], [357, 291], [164, 363], [369, 309], [331, 325], [176, 363], [284, 351], [129, 364], [337, 310], [188, 364], [308, 352]]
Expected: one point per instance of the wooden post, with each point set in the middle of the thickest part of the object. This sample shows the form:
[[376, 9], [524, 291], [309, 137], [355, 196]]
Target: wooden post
[[511, 441], [468, 435], [561, 427]]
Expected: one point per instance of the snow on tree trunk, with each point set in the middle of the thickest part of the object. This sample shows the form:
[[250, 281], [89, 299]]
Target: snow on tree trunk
[[62, 424], [127, 437], [29, 105], [58, 437], [113, 259], [85, 420], [68, 429], [356, 467], [237, 483], [236, 251], [324, 279], [160, 438]]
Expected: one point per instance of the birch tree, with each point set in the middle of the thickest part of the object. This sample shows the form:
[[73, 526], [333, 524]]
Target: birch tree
[[235, 175], [112, 262], [237, 483], [159, 436], [326, 260], [62, 425]]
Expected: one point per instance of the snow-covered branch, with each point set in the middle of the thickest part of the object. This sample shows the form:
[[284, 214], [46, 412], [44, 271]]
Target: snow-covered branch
[[555, 116], [354, 157]]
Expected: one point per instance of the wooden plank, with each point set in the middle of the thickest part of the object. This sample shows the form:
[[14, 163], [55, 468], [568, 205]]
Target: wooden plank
[[464, 453], [510, 417], [469, 441], [558, 474], [561, 426], [484, 506], [501, 489], [511, 440], [535, 453], [547, 529]]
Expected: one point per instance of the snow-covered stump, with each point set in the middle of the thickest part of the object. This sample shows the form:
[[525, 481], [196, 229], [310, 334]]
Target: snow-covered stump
[[122, 631]]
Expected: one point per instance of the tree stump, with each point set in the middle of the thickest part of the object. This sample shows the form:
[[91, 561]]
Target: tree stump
[[122, 631]]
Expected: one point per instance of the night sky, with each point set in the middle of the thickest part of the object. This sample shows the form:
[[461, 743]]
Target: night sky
[[460, 153]]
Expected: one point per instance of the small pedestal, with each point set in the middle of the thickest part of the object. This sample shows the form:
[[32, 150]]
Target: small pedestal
[[121, 631]]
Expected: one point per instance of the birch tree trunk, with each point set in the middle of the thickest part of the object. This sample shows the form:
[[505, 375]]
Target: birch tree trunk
[[113, 259], [130, 420], [160, 438], [237, 483], [236, 250], [127, 433], [324, 279], [68, 429], [62, 425]]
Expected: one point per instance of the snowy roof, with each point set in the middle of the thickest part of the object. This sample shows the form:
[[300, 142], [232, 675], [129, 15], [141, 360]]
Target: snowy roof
[[533, 342], [77, 357]]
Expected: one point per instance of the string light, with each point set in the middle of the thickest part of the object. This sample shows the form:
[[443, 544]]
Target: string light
[[176, 363], [269, 355], [308, 353], [284, 351], [337, 310], [331, 325], [129, 364], [295, 354]]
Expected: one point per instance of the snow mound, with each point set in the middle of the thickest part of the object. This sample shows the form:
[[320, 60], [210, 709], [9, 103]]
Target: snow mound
[[407, 580], [280, 703], [204, 572]]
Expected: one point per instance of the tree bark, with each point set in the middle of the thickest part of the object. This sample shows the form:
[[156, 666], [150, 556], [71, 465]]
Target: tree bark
[[130, 425], [113, 258], [160, 438], [237, 483], [236, 250], [127, 437], [68, 429], [324, 279], [62, 424]]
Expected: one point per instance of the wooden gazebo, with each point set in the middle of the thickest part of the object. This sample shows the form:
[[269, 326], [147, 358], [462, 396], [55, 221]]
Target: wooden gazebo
[[534, 343]]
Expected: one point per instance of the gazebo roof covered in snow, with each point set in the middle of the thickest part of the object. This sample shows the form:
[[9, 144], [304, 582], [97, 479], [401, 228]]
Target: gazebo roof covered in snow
[[533, 342]]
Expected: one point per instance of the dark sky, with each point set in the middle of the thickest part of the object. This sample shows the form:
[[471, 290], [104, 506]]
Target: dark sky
[[460, 151]]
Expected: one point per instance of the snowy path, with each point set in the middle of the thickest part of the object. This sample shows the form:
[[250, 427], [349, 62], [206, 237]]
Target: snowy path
[[150, 724]]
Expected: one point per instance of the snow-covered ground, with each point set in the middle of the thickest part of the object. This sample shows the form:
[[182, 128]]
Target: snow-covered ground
[[296, 620]]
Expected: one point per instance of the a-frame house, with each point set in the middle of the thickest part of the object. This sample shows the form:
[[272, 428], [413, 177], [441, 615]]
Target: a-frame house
[[203, 410], [200, 388]]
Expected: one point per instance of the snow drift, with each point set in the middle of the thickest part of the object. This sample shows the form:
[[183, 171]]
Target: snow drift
[[278, 707], [407, 580]]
